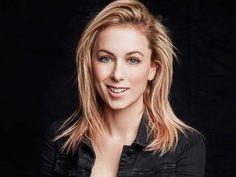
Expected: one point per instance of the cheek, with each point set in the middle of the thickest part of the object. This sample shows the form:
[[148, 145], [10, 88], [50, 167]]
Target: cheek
[[100, 73], [139, 79]]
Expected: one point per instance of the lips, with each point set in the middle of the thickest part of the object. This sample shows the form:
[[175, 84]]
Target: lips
[[117, 90]]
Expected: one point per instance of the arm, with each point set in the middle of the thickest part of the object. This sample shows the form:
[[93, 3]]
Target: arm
[[191, 162], [48, 154]]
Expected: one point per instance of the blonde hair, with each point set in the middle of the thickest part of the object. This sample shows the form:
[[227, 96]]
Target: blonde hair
[[87, 120]]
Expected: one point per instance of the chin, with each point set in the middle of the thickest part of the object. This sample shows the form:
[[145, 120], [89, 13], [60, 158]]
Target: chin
[[117, 106]]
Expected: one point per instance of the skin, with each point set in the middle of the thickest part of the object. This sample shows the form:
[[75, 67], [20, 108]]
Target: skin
[[121, 62]]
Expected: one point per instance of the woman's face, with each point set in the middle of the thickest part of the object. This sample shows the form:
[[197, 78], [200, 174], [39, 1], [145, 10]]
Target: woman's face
[[122, 66]]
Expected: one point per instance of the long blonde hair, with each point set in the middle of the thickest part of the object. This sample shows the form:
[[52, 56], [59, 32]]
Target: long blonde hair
[[86, 121]]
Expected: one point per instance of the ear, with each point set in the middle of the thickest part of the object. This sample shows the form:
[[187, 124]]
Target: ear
[[152, 71]]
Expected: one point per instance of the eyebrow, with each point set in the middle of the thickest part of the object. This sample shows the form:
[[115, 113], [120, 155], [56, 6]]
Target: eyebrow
[[129, 53]]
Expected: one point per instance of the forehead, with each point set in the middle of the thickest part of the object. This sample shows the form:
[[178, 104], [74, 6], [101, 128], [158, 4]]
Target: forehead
[[122, 39], [119, 37]]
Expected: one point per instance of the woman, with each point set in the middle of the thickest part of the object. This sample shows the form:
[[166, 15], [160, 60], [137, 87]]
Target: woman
[[124, 125]]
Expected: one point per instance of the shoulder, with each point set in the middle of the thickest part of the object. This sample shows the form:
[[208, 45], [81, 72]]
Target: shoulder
[[53, 160], [50, 133], [190, 139], [53, 129], [190, 154]]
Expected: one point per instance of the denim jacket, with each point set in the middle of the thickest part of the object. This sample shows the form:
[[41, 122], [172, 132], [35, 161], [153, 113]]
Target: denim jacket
[[188, 159]]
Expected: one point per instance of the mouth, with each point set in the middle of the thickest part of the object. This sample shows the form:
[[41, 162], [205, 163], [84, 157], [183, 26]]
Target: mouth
[[117, 90]]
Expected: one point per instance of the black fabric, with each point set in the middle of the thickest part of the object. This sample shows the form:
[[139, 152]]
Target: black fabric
[[188, 159]]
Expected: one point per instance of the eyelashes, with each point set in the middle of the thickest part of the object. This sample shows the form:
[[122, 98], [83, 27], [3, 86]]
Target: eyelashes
[[133, 60], [107, 59]]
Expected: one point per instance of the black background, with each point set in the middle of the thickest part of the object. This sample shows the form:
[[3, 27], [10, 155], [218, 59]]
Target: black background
[[38, 71]]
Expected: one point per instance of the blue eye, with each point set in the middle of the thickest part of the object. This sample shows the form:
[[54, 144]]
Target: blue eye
[[105, 59], [133, 61]]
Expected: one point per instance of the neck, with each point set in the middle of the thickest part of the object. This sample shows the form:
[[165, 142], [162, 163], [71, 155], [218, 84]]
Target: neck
[[123, 124]]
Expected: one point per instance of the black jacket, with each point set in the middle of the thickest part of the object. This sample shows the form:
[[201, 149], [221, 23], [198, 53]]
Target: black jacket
[[188, 159]]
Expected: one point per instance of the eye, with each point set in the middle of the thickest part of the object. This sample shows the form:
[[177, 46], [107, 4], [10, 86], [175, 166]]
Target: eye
[[105, 59], [133, 60]]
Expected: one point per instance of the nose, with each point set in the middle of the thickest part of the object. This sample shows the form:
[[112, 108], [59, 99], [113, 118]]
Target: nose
[[118, 72]]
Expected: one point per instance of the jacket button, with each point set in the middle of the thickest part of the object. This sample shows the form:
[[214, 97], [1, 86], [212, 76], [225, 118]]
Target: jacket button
[[130, 152]]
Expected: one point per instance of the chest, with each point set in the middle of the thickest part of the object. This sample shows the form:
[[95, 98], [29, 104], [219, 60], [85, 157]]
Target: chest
[[106, 162], [130, 162]]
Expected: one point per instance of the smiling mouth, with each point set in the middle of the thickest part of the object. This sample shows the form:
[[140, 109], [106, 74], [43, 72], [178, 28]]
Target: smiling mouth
[[117, 89]]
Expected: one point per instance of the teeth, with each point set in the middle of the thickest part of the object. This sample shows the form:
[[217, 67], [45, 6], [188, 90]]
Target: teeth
[[117, 90]]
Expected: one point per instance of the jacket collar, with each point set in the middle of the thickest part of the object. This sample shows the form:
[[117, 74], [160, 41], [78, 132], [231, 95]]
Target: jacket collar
[[142, 137]]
